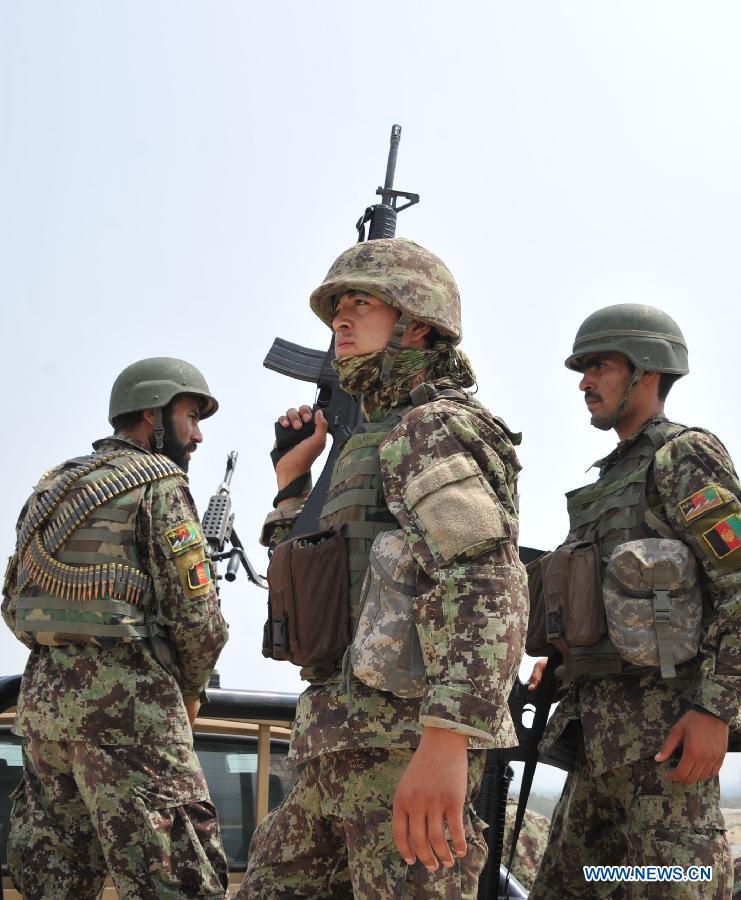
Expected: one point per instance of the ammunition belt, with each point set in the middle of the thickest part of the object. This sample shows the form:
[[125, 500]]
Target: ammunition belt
[[87, 582], [117, 581], [47, 502], [136, 472]]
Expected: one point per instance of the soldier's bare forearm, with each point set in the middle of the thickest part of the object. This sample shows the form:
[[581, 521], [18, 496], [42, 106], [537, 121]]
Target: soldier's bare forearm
[[300, 458]]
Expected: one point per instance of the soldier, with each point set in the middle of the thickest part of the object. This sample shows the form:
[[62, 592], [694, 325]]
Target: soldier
[[112, 590], [429, 480], [651, 703]]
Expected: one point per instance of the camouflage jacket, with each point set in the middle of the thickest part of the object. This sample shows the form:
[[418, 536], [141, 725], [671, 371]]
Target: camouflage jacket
[[123, 694], [694, 489], [450, 479]]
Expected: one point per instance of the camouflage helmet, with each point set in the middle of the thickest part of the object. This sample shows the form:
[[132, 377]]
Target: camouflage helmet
[[648, 337], [400, 272], [152, 384]]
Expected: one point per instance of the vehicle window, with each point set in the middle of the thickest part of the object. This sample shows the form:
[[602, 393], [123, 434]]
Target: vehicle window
[[230, 767], [11, 772]]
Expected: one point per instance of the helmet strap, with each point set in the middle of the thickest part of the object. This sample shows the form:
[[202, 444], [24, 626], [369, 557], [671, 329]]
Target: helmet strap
[[394, 345], [635, 378], [159, 430]]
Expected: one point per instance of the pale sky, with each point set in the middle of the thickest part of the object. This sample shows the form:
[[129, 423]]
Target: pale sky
[[176, 177]]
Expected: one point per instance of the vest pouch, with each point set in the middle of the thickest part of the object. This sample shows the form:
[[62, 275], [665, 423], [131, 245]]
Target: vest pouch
[[385, 653], [654, 603], [536, 642], [308, 611], [595, 661], [566, 607]]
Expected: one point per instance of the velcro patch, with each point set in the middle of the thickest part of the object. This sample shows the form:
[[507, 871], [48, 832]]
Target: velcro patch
[[183, 536], [200, 574], [725, 537], [700, 502]]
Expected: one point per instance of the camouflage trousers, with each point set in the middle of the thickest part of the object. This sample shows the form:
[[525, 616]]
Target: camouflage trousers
[[635, 816], [331, 836], [531, 842], [142, 814]]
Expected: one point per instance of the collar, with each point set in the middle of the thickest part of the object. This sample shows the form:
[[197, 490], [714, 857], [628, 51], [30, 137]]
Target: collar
[[623, 446], [118, 441]]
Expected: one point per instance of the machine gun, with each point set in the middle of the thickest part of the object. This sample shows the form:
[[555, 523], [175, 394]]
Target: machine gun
[[218, 529], [341, 410]]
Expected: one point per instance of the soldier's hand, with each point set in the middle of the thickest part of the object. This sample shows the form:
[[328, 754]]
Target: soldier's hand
[[192, 705], [536, 675], [299, 459], [704, 740], [430, 795]]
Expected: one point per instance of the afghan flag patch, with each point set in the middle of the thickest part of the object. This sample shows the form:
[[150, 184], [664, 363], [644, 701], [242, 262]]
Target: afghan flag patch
[[199, 574], [184, 536], [700, 502], [725, 537]]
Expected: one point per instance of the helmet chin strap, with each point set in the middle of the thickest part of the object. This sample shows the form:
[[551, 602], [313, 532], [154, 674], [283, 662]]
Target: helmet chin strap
[[634, 379], [394, 345], [159, 430]]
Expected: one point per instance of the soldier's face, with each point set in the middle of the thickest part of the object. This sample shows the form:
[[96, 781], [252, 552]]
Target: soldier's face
[[605, 382], [362, 324], [182, 433]]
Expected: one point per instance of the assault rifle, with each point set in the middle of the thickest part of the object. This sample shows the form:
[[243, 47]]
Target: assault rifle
[[341, 410], [218, 529]]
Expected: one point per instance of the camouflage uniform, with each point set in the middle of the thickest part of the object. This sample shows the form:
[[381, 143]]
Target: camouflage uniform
[[112, 783], [331, 837], [446, 472], [531, 842], [618, 807]]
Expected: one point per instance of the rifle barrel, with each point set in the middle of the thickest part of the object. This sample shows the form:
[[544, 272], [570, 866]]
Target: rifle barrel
[[393, 151]]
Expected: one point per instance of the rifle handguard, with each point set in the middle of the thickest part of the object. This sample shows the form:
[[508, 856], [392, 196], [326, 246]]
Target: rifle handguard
[[217, 520]]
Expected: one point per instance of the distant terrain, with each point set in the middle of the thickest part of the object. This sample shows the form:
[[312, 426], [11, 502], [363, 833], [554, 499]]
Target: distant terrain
[[732, 815]]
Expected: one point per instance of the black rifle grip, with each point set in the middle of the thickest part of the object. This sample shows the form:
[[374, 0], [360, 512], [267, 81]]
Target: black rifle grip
[[286, 438]]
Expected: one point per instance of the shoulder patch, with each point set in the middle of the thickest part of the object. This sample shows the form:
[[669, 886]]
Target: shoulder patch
[[724, 538], [455, 509], [183, 536], [199, 575], [701, 501]]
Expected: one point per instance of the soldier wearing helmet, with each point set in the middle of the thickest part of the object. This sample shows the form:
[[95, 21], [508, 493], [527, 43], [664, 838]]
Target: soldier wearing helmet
[[425, 496], [111, 589], [652, 695]]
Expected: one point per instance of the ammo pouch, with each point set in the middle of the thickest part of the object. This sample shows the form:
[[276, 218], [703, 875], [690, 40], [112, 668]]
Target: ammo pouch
[[566, 608], [653, 603], [308, 608], [385, 652]]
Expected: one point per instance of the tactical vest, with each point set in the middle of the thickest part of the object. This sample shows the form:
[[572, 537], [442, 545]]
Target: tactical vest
[[609, 513], [356, 503], [612, 511], [355, 500], [79, 576]]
